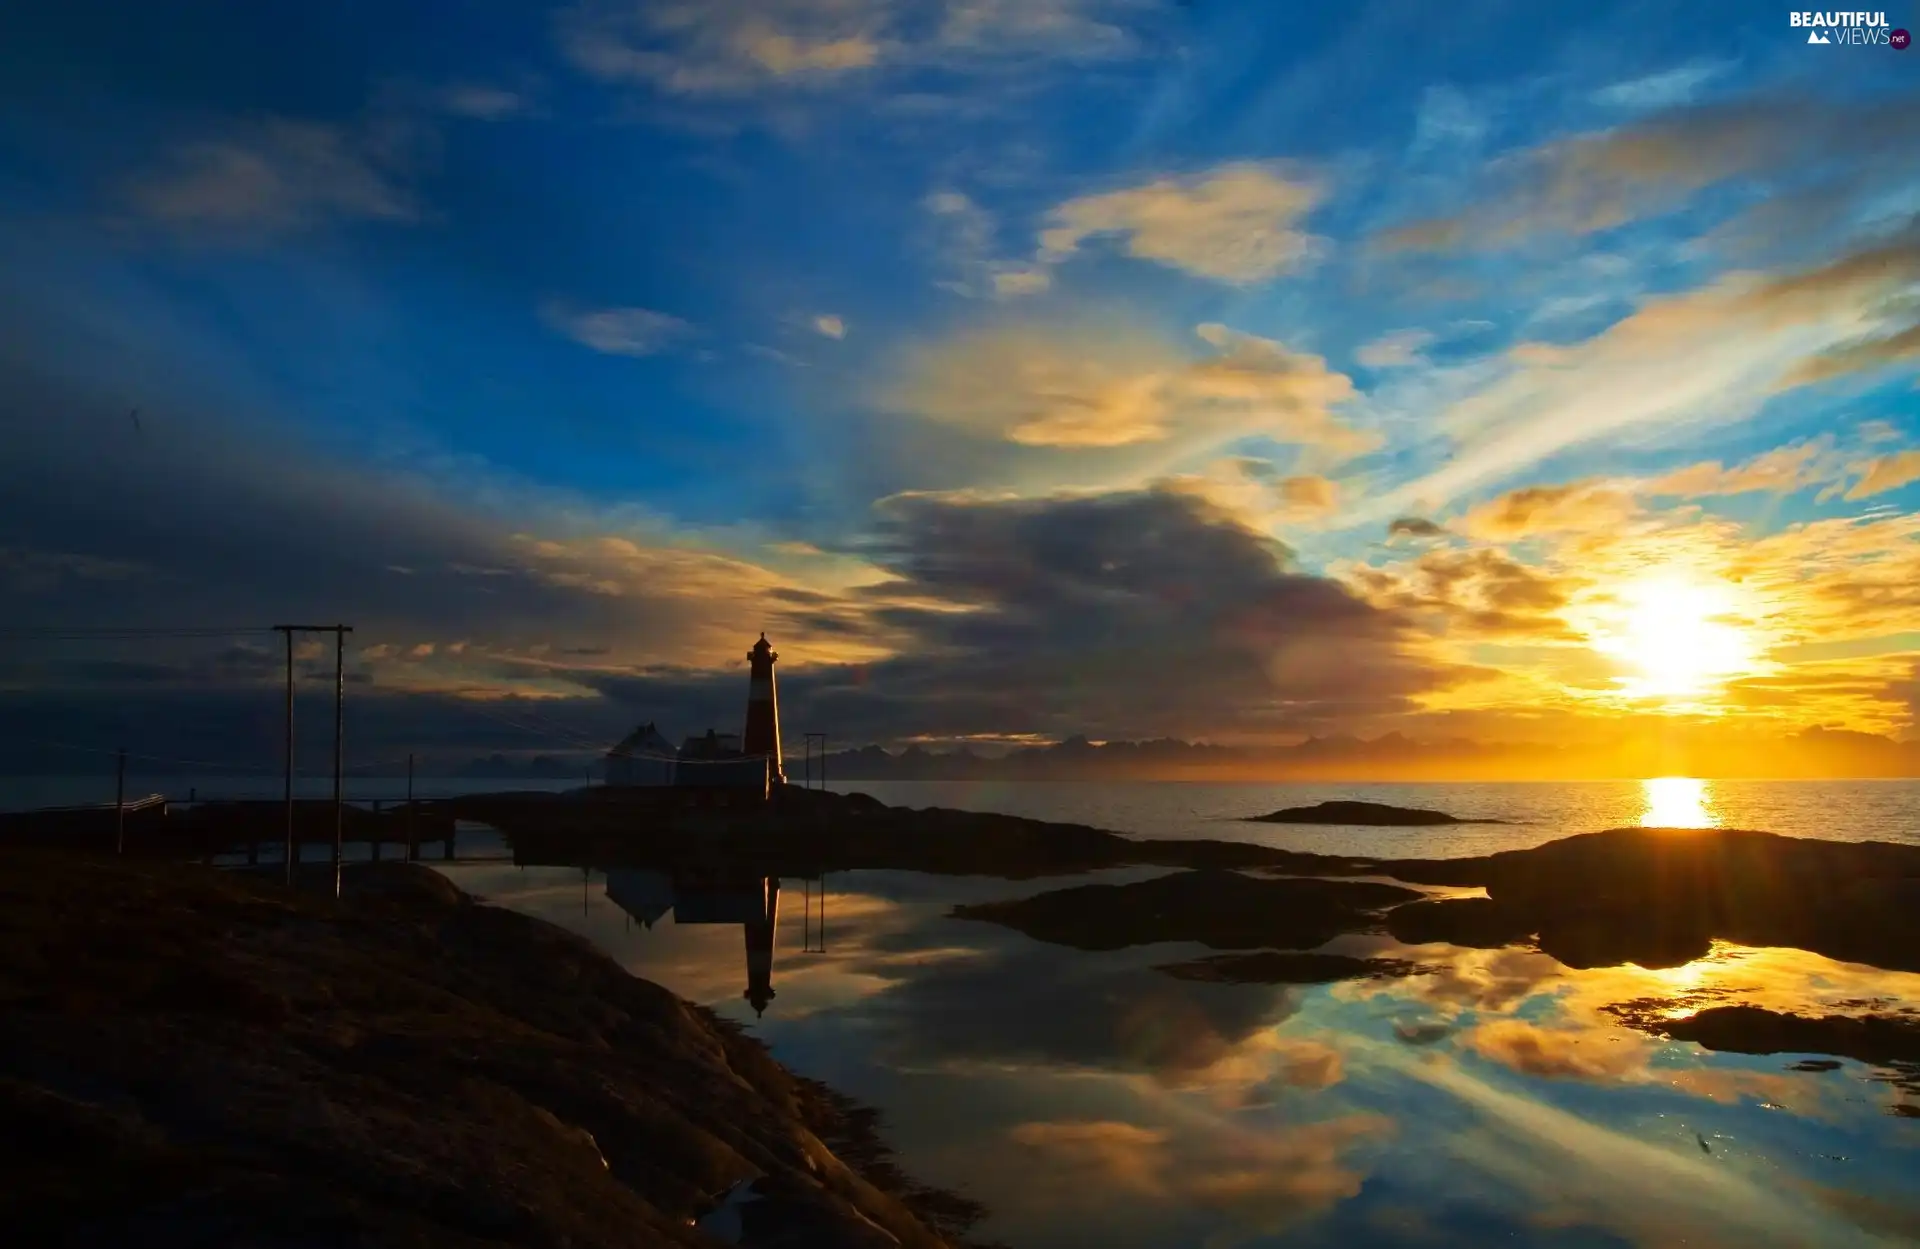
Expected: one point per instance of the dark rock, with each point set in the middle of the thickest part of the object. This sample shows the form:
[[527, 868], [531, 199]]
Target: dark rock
[[197, 1057], [1878, 1039], [1288, 967], [1224, 910], [1607, 938], [1477, 922], [1342, 811]]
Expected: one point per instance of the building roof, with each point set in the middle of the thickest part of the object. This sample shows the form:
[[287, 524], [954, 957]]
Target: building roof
[[645, 740]]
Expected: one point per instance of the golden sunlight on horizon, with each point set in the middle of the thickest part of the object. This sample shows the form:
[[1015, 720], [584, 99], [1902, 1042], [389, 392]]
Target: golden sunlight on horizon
[[1681, 637], [1677, 802]]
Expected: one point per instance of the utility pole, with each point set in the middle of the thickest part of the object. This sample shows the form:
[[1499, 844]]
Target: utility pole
[[339, 632], [810, 747], [413, 841], [339, 735], [291, 851], [120, 804]]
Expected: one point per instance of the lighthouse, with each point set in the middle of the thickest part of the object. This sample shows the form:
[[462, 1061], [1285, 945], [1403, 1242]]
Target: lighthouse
[[763, 711]]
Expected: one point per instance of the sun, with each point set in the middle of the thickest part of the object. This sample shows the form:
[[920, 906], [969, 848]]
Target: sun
[[1679, 635]]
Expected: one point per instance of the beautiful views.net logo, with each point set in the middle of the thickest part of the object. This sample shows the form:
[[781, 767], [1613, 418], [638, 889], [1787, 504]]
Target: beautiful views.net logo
[[1858, 29]]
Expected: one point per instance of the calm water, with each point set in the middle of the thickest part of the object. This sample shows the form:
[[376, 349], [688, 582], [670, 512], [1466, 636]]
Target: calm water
[[1538, 811], [1091, 1100]]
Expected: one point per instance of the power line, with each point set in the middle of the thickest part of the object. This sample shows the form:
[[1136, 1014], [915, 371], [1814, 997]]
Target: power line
[[132, 754], [110, 634]]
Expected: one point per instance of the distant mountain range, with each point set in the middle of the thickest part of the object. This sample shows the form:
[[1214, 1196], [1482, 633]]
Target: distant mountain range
[[1704, 753]]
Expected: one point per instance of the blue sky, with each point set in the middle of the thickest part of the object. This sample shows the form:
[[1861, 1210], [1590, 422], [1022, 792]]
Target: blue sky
[[668, 322]]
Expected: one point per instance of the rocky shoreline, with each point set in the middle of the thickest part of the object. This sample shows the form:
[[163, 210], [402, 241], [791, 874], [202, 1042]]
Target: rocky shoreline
[[203, 1057]]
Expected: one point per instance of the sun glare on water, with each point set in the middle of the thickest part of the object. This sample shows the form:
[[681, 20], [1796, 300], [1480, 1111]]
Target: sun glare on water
[[1679, 637], [1677, 802]]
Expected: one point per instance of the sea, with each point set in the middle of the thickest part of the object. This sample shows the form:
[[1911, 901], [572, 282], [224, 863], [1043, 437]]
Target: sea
[[1531, 812], [1495, 1096]]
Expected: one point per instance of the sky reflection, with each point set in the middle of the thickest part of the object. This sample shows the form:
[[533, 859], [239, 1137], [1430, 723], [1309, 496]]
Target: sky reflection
[[1086, 1098]]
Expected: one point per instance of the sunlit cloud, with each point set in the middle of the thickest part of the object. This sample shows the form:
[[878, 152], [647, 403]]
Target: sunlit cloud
[[1238, 223], [1705, 357], [1885, 472], [723, 47], [1108, 386], [1595, 181]]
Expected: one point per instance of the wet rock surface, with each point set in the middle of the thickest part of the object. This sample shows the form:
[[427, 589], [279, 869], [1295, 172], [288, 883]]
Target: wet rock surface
[[198, 1058], [1878, 1039], [1344, 811], [1221, 909], [1658, 897], [1887, 1040]]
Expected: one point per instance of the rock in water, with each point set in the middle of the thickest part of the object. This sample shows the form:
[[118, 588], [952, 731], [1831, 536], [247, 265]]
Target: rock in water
[[1224, 910], [1342, 811]]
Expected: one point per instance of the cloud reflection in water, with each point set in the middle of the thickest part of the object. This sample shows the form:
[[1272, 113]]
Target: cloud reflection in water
[[1086, 1098]]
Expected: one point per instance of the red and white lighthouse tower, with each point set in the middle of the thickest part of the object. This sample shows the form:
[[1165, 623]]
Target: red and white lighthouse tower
[[763, 711]]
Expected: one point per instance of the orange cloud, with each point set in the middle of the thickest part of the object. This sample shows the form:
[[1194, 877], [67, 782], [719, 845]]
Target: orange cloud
[[1538, 510], [1885, 472]]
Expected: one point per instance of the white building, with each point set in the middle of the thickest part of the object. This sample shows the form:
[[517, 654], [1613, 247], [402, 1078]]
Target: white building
[[643, 757]]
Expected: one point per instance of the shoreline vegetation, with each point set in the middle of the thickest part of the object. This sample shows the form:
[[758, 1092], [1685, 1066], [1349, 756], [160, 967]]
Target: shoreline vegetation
[[198, 1056]]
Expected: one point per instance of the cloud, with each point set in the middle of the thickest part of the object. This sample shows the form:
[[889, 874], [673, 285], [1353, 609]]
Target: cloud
[[1258, 492], [1266, 1179], [1581, 506], [830, 326], [482, 102], [722, 47], [1447, 118], [1665, 89], [1236, 223], [1884, 473], [1868, 353], [1782, 470], [717, 48], [1079, 30], [1414, 527], [1102, 613], [1483, 593], [1044, 1008], [618, 331], [275, 176], [1308, 494], [1711, 355], [1606, 1054], [966, 245], [1600, 180], [1092, 387], [1398, 350]]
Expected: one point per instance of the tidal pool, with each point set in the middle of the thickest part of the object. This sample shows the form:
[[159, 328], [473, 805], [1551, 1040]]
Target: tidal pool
[[1089, 1098]]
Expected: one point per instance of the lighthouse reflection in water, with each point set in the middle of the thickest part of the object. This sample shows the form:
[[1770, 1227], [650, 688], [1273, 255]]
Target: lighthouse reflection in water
[[753, 902]]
